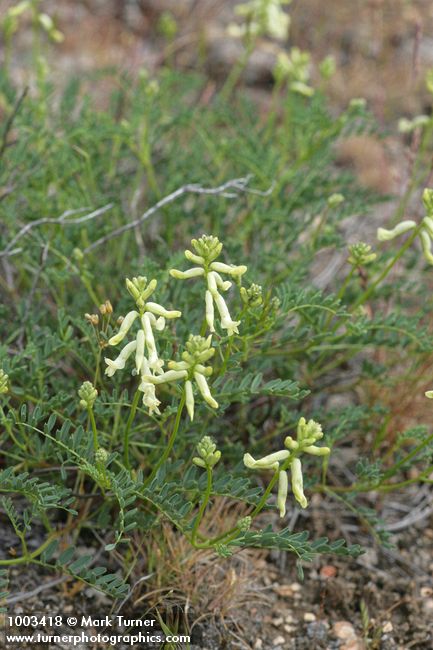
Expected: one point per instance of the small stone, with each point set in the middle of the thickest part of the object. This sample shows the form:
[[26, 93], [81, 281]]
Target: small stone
[[289, 628], [258, 644], [288, 591], [426, 592], [276, 622], [428, 605], [344, 630], [328, 571], [278, 640], [317, 631], [309, 617], [353, 644], [387, 627]]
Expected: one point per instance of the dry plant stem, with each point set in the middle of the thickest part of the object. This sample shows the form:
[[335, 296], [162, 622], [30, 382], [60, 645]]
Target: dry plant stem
[[171, 441], [129, 422], [61, 221], [229, 190]]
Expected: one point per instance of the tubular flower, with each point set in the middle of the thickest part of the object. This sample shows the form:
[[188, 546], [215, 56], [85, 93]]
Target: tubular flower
[[425, 229], [152, 316], [207, 249], [283, 488], [279, 461], [298, 482], [191, 368]]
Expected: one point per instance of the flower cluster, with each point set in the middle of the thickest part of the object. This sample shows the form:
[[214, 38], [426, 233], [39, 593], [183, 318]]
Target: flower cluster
[[208, 455], [252, 297], [295, 67], [308, 433], [262, 17], [191, 368], [425, 229], [151, 316], [87, 394], [360, 254], [207, 249]]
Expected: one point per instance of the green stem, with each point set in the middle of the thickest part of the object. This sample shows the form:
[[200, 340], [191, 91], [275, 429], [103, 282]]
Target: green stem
[[8, 428], [203, 505], [28, 557], [171, 441], [237, 70], [94, 430], [367, 293], [233, 532], [128, 428], [409, 457]]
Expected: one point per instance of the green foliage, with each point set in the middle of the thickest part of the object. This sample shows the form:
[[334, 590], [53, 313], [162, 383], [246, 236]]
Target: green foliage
[[77, 186]]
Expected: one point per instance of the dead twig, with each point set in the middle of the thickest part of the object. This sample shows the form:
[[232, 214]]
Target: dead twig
[[62, 221], [229, 190]]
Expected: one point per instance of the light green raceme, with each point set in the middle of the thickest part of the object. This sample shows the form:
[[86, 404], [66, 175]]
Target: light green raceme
[[207, 249]]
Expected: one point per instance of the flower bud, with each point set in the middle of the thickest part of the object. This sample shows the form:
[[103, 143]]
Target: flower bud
[[226, 268], [426, 246], [298, 482], [267, 462], [88, 394], [157, 309], [404, 226], [185, 275], [3, 382], [244, 524], [360, 254], [101, 456], [283, 488], [204, 390], [124, 328], [335, 200], [316, 451], [427, 199], [189, 399], [93, 319]]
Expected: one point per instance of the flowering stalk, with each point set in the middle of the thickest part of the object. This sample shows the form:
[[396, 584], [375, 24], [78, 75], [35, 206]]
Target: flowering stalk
[[207, 249], [307, 434], [171, 441], [191, 370], [88, 394], [208, 457], [151, 316]]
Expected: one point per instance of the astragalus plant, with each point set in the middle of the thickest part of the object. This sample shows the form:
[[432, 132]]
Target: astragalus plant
[[150, 374]]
